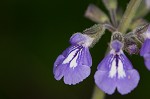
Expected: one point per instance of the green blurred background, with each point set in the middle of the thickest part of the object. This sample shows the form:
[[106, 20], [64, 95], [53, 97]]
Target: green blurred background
[[33, 33]]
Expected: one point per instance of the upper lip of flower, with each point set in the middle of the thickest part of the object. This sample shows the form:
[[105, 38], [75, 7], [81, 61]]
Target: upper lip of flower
[[81, 39]]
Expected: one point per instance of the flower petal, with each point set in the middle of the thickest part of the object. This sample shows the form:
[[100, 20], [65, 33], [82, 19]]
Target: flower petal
[[85, 58], [76, 38], [71, 48], [59, 71], [127, 84], [145, 49], [145, 52], [104, 64], [104, 82], [81, 39], [126, 62], [147, 63], [76, 75], [59, 60], [116, 45], [102, 75]]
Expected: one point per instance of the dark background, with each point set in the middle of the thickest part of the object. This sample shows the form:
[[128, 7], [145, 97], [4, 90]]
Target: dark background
[[33, 33]]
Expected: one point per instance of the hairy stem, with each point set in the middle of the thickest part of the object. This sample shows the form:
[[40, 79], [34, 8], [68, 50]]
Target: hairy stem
[[113, 17], [128, 15]]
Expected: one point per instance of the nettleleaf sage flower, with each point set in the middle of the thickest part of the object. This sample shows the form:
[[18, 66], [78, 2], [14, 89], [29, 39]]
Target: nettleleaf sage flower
[[115, 71], [73, 65]]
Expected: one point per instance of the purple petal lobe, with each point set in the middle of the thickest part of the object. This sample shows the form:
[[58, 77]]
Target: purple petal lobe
[[116, 45], [145, 49], [147, 63], [76, 38], [74, 76], [59, 60], [85, 58], [126, 62], [102, 78], [59, 71], [104, 64], [127, 84], [81, 39], [145, 52], [104, 82]]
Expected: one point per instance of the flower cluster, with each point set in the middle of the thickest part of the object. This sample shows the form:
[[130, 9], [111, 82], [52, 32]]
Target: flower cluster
[[115, 71]]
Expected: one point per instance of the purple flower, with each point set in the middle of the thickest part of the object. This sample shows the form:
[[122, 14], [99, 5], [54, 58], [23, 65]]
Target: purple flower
[[73, 65], [116, 72], [145, 49]]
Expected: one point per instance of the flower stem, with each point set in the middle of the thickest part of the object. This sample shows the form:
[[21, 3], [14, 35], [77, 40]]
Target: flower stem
[[128, 15], [113, 17], [98, 94]]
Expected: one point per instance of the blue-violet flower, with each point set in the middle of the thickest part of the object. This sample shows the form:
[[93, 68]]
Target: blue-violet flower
[[145, 49], [73, 65], [115, 71]]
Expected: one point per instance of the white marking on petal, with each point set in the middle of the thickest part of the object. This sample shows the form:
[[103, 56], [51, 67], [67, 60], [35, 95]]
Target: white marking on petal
[[113, 69], [121, 72], [116, 68], [70, 56], [73, 62]]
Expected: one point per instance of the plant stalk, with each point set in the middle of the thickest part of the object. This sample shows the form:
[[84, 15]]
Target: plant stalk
[[128, 15], [98, 94]]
